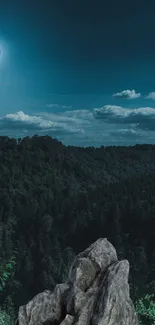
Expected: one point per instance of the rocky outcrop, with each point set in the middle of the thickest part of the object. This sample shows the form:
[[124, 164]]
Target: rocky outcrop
[[96, 293]]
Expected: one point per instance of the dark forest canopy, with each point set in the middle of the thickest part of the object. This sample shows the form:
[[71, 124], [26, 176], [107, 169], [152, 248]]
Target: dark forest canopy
[[56, 200]]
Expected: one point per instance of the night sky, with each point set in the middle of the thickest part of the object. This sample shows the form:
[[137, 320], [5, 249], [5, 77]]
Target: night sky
[[80, 71]]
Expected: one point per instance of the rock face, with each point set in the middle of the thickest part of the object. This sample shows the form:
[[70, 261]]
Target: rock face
[[96, 293]]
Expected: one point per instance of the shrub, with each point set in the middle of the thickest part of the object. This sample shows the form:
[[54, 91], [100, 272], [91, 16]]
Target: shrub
[[7, 315], [145, 308]]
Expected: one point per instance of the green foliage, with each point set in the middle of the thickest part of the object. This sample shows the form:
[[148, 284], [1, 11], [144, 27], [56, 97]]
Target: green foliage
[[5, 319], [9, 311], [7, 314], [145, 309], [6, 270]]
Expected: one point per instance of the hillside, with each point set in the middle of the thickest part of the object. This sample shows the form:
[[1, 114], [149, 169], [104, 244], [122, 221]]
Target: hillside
[[56, 200]]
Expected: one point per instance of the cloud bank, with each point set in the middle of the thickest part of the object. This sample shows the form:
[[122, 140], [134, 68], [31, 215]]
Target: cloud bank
[[143, 117], [107, 125], [127, 94]]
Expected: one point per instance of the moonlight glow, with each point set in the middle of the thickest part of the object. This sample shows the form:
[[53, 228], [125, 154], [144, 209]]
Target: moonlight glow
[[3, 53]]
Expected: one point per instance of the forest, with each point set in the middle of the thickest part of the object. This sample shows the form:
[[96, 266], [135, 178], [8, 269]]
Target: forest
[[55, 200]]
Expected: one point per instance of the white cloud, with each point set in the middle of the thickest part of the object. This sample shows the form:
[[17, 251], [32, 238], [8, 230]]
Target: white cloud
[[151, 96], [58, 106], [119, 111], [142, 117], [127, 94], [106, 125], [63, 106], [53, 105], [126, 131], [16, 120], [44, 121], [81, 118]]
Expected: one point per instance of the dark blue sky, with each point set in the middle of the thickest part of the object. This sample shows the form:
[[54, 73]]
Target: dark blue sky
[[61, 60]]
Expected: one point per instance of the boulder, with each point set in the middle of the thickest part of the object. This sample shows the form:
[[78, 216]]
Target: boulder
[[95, 293]]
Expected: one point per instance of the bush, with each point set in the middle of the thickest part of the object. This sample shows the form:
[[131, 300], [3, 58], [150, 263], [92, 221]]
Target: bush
[[6, 271], [7, 315], [6, 319], [145, 308]]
